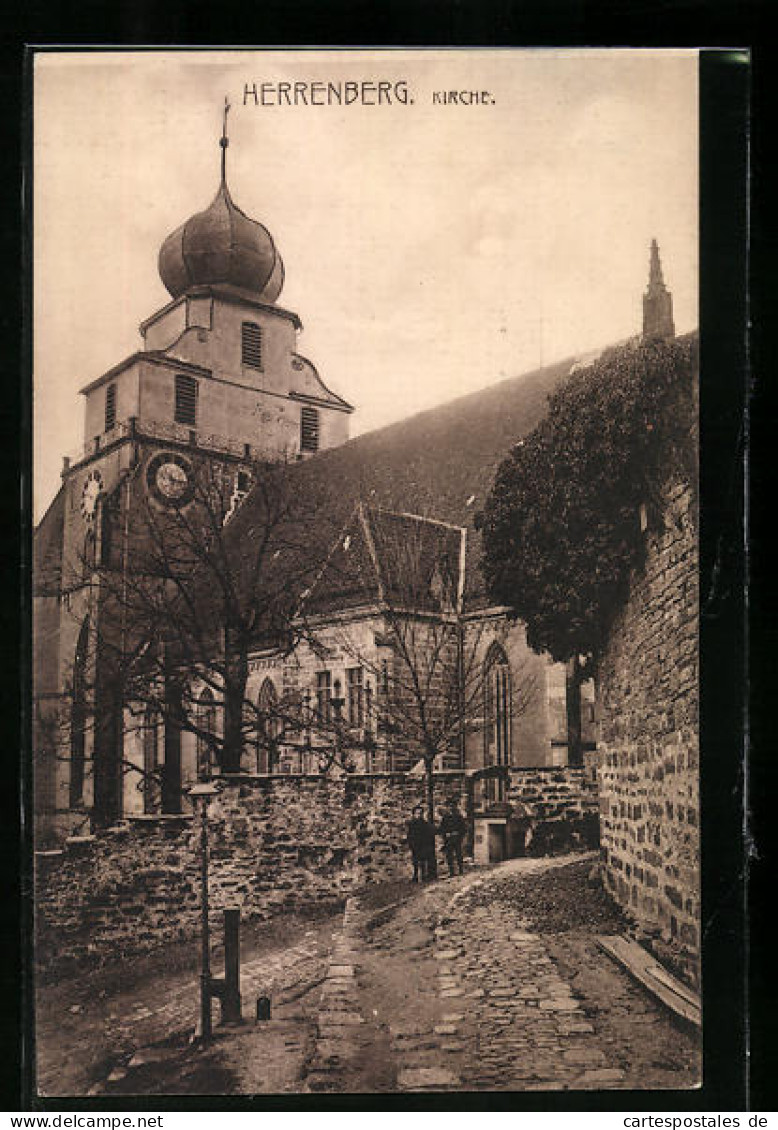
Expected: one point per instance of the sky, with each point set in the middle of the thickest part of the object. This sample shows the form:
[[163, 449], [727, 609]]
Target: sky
[[431, 248]]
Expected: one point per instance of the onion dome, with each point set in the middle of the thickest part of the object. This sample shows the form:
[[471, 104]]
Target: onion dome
[[222, 245]]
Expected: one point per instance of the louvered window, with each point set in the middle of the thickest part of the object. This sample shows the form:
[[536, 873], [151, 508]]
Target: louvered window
[[251, 345], [309, 429], [110, 407], [186, 400]]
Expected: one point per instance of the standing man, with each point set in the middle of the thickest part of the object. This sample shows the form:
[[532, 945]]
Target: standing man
[[453, 830], [421, 840]]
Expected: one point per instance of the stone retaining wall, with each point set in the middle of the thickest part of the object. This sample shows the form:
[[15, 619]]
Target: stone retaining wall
[[277, 843], [562, 807], [648, 744]]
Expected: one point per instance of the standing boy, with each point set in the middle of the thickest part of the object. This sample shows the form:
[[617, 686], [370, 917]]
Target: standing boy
[[453, 830], [421, 840]]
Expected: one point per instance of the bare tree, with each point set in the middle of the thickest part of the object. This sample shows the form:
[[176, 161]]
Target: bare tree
[[180, 596], [428, 665]]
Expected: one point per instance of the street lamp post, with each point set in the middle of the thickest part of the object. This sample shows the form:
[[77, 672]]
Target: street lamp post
[[201, 794]]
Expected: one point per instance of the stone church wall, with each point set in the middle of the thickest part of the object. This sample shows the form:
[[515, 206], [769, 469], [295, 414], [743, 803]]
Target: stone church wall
[[278, 843], [648, 744]]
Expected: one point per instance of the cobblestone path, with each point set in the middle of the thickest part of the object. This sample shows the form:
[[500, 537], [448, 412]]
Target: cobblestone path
[[480, 1003], [347, 1055], [491, 981], [100, 1041], [521, 1027]]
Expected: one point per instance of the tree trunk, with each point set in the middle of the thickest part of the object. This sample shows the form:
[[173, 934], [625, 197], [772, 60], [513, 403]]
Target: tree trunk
[[574, 737], [171, 768], [108, 742], [235, 679], [429, 792], [461, 723], [171, 799]]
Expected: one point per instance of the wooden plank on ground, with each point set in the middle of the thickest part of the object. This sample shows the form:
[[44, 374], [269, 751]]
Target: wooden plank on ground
[[645, 969]]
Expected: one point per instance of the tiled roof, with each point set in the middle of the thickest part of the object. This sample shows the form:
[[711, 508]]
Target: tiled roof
[[439, 464], [47, 548], [410, 562]]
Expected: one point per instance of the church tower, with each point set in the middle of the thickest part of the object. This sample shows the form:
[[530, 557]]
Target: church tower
[[218, 387], [657, 301], [219, 372]]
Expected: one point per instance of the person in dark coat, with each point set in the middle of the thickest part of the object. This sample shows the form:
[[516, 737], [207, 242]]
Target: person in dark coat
[[421, 840], [453, 829]]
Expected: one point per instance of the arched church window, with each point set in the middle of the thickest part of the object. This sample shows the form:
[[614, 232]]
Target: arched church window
[[206, 725], [251, 345], [78, 717], [497, 707], [268, 728], [309, 428], [324, 696], [186, 400], [152, 740], [355, 697]]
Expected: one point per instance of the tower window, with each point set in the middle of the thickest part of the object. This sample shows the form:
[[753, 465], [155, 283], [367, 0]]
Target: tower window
[[309, 429], [251, 345], [110, 407], [186, 400]]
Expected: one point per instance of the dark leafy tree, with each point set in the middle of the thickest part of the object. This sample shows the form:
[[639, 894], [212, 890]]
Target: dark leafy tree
[[562, 525]]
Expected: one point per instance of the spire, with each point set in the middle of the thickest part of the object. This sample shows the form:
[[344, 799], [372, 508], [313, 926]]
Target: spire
[[657, 301], [655, 270], [224, 141]]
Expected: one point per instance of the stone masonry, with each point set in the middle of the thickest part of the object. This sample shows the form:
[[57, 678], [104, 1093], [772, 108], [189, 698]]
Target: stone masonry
[[648, 743], [561, 805], [277, 843]]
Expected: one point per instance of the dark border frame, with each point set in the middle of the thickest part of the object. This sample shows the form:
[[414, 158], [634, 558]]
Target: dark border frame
[[725, 78]]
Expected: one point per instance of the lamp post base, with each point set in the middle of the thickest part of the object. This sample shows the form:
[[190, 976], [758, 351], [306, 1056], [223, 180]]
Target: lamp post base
[[206, 1029]]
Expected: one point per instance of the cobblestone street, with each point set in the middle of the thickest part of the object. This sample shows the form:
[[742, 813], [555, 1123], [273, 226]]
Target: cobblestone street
[[129, 1039], [488, 981], [472, 995]]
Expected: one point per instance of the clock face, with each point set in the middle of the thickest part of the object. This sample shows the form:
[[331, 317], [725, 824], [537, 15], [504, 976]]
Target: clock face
[[91, 491], [170, 479]]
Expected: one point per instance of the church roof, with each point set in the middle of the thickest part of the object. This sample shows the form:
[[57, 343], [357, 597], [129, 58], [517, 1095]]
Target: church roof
[[407, 561], [438, 464], [47, 548]]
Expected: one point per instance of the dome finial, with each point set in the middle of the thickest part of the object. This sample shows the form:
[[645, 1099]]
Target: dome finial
[[224, 141], [222, 246]]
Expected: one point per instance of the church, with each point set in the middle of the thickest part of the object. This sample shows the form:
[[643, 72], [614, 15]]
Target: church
[[219, 388]]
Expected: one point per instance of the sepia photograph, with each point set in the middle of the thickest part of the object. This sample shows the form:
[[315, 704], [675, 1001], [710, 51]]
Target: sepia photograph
[[365, 703]]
